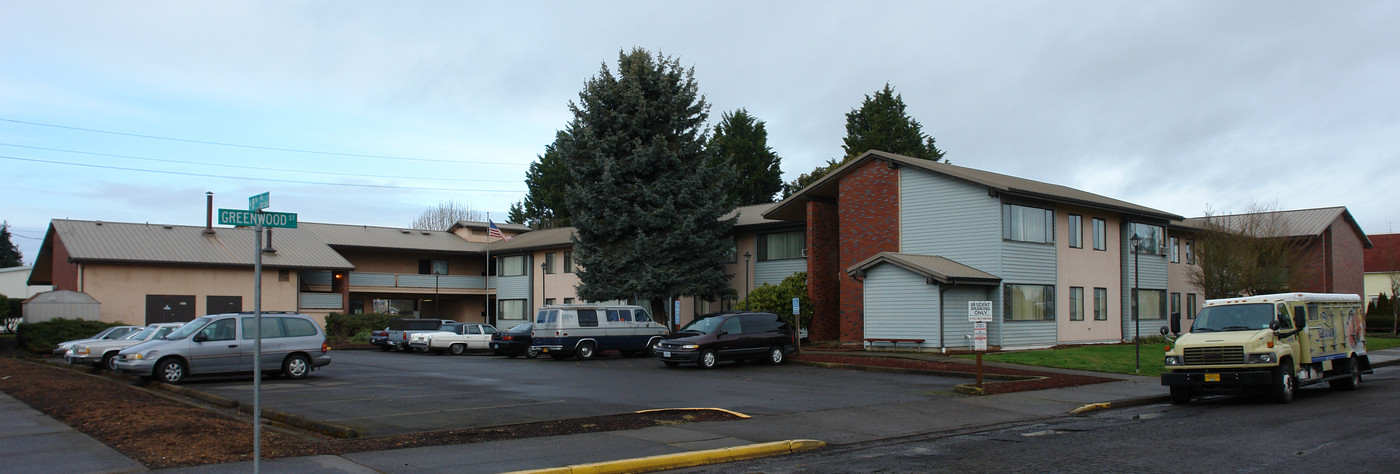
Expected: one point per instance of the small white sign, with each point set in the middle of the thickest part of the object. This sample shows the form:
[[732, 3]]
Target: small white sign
[[979, 311], [979, 342], [979, 326]]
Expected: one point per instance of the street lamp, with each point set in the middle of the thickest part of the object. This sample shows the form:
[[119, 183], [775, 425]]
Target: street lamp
[[747, 256], [1137, 304]]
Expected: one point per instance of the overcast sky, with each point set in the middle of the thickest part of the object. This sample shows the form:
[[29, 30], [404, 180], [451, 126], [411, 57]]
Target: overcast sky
[[126, 111]]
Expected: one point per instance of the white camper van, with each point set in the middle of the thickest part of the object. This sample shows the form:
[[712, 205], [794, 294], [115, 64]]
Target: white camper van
[[583, 330]]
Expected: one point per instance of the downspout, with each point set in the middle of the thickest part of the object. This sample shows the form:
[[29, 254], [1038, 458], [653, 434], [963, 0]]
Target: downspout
[[942, 346]]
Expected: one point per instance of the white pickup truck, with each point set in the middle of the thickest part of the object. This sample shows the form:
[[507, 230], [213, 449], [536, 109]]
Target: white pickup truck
[[457, 338]]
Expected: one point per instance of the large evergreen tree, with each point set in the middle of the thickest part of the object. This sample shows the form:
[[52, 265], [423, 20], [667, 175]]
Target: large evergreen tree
[[544, 206], [741, 143], [646, 208], [881, 123], [9, 252]]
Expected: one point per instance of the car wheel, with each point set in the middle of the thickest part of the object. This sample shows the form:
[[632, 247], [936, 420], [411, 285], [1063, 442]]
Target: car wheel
[[1181, 394], [1349, 383], [109, 361], [1285, 384], [585, 351], [670, 363], [459, 349], [651, 347], [776, 355], [532, 353], [171, 370], [296, 367], [709, 359]]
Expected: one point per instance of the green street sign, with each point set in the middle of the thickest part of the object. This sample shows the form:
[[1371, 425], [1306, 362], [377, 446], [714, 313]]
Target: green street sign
[[249, 218], [260, 202]]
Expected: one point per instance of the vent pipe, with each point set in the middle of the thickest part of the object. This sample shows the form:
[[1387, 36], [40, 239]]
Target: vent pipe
[[268, 248], [209, 213]]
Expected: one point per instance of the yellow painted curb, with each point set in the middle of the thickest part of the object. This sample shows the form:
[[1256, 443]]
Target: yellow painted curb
[[687, 459], [1090, 407], [731, 412]]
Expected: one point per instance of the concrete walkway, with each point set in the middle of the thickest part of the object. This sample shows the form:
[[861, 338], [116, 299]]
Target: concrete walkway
[[30, 441]]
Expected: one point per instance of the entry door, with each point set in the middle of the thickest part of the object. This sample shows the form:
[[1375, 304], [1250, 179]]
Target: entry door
[[169, 308]]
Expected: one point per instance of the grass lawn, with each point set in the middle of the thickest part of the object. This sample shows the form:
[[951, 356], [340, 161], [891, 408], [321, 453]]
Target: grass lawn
[[1118, 358]]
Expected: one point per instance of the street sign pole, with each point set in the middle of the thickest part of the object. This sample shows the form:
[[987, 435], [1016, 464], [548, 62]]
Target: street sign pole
[[257, 346], [797, 318]]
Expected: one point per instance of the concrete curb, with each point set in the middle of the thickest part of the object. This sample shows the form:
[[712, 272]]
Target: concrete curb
[[897, 370], [687, 459]]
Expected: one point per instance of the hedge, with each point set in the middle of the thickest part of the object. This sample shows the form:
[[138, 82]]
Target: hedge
[[41, 338], [348, 325]]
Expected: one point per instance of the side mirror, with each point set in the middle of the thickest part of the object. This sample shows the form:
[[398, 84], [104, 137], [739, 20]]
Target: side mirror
[[1176, 324], [1273, 325], [1165, 331], [200, 337], [1299, 322]]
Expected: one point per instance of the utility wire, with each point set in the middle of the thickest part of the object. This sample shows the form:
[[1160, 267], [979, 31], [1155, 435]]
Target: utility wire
[[255, 167], [254, 147], [274, 180]]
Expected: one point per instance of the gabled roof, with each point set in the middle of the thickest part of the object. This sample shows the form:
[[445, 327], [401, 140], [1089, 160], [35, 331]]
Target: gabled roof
[[1293, 223], [1384, 256], [122, 242], [793, 208], [752, 216], [388, 238], [535, 240], [479, 225], [934, 269]]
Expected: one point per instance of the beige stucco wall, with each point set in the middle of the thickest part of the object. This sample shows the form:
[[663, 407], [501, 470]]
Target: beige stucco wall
[[1089, 269], [122, 289], [1376, 283], [557, 285]]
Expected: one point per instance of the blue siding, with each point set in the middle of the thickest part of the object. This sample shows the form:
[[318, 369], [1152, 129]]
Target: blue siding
[[900, 305], [1152, 275], [513, 287], [773, 272], [957, 329], [949, 218], [1028, 264]]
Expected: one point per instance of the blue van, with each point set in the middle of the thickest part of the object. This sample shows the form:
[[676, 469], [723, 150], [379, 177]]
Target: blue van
[[583, 330]]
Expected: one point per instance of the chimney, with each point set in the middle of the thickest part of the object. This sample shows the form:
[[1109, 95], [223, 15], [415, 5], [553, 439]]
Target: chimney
[[268, 248], [209, 213]]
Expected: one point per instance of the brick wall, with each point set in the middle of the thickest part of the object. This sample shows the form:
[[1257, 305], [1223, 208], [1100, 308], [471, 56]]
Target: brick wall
[[65, 273], [869, 224], [823, 270], [1348, 259]]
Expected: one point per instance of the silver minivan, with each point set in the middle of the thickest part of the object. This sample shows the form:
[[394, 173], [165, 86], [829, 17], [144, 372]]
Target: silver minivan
[[292, 343]]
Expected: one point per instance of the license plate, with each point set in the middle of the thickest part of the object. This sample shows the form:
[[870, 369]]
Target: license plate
[[666, 354], [1212, 377], [544, 350]]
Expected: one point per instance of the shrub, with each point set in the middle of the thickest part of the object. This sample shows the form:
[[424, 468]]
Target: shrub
[[347, 325], [778, 299], [40, 338]]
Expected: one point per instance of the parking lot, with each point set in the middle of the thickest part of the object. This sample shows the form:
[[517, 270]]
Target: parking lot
[[383, 393]]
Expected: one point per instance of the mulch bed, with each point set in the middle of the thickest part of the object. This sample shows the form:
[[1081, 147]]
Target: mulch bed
[[1041, 380]]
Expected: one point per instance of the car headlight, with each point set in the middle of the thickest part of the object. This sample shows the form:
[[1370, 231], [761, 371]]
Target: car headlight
[[80, 350], [1263, 358], [1173, 361], [134, 356], [691, 346]]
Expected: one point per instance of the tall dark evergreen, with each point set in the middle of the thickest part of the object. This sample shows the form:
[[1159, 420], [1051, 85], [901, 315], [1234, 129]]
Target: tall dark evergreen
[[646, 208], [9, 252], [881, 123], [544, 206], [741, 143]]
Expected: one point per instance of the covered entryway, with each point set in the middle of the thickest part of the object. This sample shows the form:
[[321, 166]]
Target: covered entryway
[[919, 301]]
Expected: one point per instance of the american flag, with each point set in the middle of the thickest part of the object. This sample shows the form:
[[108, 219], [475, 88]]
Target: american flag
[[496, 231]]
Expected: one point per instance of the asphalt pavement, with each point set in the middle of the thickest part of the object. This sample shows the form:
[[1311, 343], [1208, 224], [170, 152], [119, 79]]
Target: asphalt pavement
[[33, 442]]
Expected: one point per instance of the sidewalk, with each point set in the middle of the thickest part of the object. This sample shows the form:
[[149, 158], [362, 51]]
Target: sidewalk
[[38, 442]]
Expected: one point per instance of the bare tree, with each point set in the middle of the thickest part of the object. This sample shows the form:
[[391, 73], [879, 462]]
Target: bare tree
[[1246, 254], [1394, 308], [444, 215]]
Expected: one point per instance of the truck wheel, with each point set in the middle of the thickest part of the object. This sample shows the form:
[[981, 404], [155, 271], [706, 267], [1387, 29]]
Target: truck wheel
[[296, 367], [585, 351], [1181, 394], [1285, 384], [459, 349], [1349, 383]]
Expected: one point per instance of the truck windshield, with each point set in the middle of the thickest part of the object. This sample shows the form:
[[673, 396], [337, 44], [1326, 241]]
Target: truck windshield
[[1235, 317]]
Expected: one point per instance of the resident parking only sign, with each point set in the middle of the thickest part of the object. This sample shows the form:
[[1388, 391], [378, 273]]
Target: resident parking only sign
[[979, 311]]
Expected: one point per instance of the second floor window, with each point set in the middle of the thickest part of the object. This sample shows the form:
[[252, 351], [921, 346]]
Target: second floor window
[[1100, 234], [1076, 231], [568, 261], [1175, 250], [512, 266], [1027, 224], [782, 245], [1153, 238], [1190, 255], [549, 262]]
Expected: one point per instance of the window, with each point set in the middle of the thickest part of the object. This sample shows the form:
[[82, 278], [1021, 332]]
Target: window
[[1175, 250], [221, 330], [620, 315], [297, 327], [284, 275], [547, 316], [549, 262], [549, 301], [588, 318], [1100, 234], [1076, 303], [641, 316], [1153, 238], [782, 245], [1076, 233], [428, 266], [395, 306], [1029, 302], [510, 309], [1027, 224], [513, 266], [568, 301], [1150, 304], [1190, 255], [271, 328], [1190, 302], [1100, 304], [1176, 303], [568, 261]]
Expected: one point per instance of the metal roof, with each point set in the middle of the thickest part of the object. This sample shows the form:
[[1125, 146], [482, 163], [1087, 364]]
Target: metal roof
[[121, 242], [535, 240], [752, 216], [794, 209], [517, 228], [1384, 256], [389, 238], [932, 267], [1294, 223]]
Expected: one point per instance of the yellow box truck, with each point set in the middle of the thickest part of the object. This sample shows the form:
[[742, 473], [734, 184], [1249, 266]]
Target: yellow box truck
[[1274, 343]]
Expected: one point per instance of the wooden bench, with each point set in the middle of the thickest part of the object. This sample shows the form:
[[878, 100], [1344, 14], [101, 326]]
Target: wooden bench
[[893, 342]]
